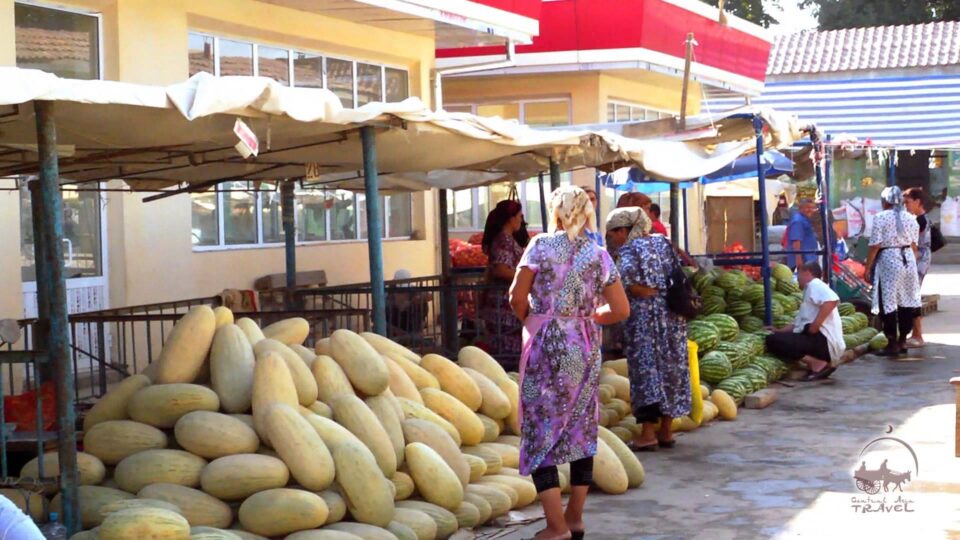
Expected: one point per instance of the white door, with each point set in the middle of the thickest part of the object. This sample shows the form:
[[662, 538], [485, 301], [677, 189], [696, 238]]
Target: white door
[[84, 256]]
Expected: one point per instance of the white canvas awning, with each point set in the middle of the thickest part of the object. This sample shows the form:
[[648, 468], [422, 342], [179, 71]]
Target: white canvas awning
[[183, 134]]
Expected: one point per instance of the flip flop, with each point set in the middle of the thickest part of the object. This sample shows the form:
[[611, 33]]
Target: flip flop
[[667, 444], [577, 535], [652, 447], [820, 375]]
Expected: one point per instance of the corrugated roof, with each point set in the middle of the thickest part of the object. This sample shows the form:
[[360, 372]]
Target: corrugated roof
[[35, 44], [879, 47]]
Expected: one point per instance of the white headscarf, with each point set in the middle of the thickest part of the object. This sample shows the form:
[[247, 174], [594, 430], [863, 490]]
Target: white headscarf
[[571, 210], [893, 196], [630, 216]]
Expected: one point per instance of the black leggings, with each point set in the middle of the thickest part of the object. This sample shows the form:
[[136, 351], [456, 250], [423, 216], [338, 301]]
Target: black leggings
[[899, 319], [581, 474]]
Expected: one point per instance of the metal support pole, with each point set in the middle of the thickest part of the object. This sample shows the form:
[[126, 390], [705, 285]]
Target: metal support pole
[[828, 163], [374, 230], [892, 168], [448, 300], [59, 340], [675, 214], [674, 188], [543, 203], [42, 277], [764, 240], [686, 221], [289, 239], [554, 175], [824, 219]]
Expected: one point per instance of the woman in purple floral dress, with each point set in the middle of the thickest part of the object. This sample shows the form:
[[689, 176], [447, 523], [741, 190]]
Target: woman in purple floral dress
[[504, 237], [565, 285]]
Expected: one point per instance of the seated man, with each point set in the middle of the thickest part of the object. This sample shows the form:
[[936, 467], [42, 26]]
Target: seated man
[[816, 336]]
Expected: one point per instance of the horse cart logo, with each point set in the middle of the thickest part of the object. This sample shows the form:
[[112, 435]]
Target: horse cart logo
[[888, 477]]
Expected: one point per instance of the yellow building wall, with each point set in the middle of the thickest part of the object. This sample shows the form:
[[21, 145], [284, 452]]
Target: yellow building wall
[[589, 94], [150, 256]]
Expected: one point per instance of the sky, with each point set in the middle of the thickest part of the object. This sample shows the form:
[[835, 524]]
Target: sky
[[792, 18]]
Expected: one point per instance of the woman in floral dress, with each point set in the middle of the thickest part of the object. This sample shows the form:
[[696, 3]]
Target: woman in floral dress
[[565, 286], [913, 201], [504, 237], [892, 268], [655, 339]]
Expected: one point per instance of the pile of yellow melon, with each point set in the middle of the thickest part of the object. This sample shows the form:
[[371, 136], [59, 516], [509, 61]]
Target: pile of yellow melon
[[615, 411], [240, 433]]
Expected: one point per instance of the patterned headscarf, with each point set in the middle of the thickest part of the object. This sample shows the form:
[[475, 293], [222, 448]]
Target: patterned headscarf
[[633, 217], [893, 196], [571, 210]]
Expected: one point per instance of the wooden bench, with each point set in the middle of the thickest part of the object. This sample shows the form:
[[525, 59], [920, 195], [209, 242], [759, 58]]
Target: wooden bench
[[956, 447]]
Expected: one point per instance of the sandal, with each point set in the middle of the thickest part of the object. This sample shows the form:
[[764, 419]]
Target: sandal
[[573, 535], [667, 444], [820, 375], [914, 343], [651, 447], [577, 535]]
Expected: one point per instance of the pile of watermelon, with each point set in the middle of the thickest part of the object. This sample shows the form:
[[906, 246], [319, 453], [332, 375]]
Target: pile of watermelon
[[729, 332]]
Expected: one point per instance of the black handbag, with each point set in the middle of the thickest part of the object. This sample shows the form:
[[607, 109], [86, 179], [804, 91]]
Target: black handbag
[[936, 239], [682, 297]]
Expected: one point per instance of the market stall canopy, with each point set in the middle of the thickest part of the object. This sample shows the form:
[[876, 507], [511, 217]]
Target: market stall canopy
[[185, 134], [774, 164]]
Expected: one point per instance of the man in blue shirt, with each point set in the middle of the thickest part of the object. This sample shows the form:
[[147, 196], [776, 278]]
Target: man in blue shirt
[[800, 234], [596, 236]]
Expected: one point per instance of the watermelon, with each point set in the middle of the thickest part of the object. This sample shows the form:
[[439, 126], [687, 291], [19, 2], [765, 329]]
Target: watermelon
[[753, 293], [729, 280], [736, 386], [713, 290], [849, 325], [733, 295], [861, 319], [846, 309], [704, 334], [736, 352], [739, 308], [787, 287], [775, 309], [879, 342], [726, 324], [702, 280], [749, 323], [782, 272], [713, 304], [714, 367], [781, 321], [689, 271], [850, 341]]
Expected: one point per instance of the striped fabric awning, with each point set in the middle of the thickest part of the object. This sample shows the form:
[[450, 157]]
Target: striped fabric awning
[[901, 112]]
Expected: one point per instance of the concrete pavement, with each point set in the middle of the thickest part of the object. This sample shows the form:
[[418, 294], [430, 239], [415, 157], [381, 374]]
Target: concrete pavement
[[787, 471]]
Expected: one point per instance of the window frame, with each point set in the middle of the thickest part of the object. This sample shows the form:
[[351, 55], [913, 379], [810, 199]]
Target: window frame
[[261, 244], [76, 11], [291, 52], [476, 218], [633, 108]]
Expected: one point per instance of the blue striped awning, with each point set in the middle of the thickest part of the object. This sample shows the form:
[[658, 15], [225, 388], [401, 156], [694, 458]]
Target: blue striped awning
[[901, 112]]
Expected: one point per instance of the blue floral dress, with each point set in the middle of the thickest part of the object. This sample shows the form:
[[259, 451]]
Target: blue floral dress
[[655, 339]]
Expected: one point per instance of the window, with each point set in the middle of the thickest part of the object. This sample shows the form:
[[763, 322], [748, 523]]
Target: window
[[468, 209], [82, 238], [369, 84], [627, 112], [355, 83], [201, 54], [242, 214], [340, 80], [61, 42]]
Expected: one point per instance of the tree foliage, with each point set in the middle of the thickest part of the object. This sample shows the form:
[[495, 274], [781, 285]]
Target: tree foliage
[[751, 10], [837, 14]]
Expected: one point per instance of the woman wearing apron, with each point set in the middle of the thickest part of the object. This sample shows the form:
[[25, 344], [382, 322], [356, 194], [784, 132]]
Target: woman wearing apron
[[565, 286], [892, 268]]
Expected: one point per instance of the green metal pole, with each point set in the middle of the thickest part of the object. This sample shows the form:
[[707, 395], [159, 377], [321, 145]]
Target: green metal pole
[[59, 342], [374, 229], [289, 239], [554, 175], [42, 277], [448, 300]]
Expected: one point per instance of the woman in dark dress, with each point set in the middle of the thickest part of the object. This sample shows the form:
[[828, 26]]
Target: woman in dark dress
[[504, 239]]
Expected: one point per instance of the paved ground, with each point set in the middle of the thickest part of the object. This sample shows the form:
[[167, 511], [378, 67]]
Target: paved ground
[[786, 471]]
